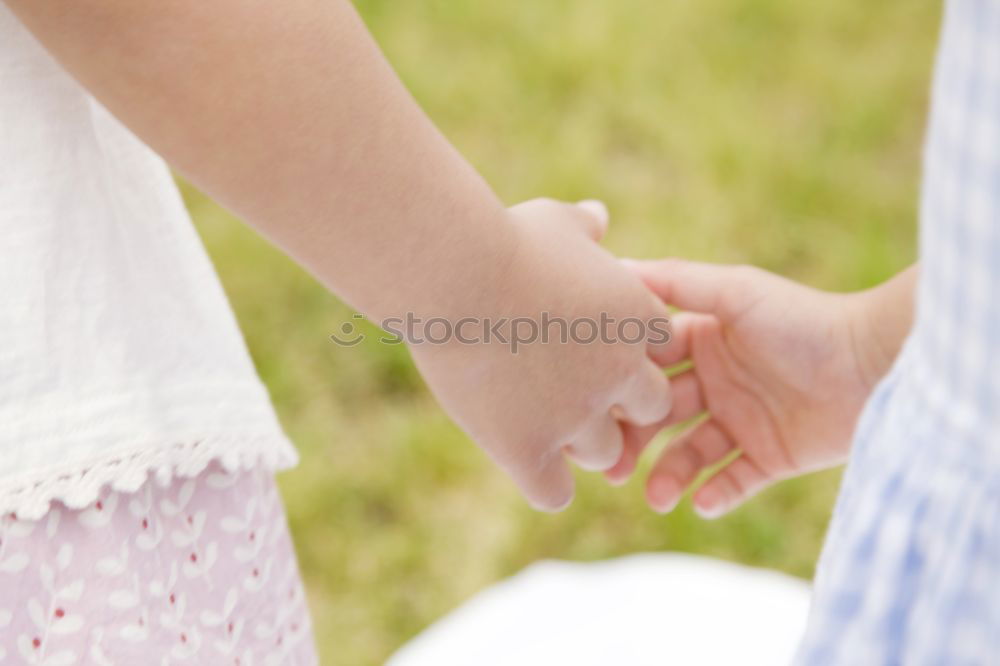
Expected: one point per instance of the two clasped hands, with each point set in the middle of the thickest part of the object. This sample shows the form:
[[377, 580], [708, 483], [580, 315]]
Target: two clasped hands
[[779, 370]]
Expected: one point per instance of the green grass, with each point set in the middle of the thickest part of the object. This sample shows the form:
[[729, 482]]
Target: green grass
[[782, 133]]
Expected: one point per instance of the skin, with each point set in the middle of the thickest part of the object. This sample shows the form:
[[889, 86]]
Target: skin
[[782, 370], [287, 114]]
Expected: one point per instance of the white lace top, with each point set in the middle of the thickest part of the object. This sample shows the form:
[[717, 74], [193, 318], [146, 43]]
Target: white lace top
[[119, 354]]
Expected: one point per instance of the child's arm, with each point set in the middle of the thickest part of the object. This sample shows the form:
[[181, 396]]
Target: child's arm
[[287, 114], [782, 369]]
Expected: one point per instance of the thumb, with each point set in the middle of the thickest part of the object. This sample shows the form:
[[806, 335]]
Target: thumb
[[718, 289], [595, 217]]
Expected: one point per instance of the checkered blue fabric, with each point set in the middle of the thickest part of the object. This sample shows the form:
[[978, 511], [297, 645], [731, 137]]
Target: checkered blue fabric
[[910, 573]]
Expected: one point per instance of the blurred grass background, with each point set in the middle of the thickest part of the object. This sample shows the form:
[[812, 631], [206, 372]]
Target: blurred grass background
[[782, 133]]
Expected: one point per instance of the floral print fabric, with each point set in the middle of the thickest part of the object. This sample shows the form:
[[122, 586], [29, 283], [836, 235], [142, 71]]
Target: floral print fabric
[[199, 572]]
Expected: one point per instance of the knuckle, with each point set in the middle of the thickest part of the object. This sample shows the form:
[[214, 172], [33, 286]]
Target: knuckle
[[688, 463], [597, 459], [746, 272], [547, 205], [540, 207], [669, 264], [734, 299], [733, 486]]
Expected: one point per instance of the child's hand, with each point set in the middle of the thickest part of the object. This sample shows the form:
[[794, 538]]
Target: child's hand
[[782, 369], [526, 408]]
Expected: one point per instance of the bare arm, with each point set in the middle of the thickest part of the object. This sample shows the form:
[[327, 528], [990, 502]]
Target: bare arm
[[287, 114]]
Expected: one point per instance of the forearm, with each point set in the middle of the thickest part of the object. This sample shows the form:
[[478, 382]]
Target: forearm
[[882, 322], [287, 114]]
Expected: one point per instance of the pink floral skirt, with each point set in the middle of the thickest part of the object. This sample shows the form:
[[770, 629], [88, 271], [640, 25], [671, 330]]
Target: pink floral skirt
[[199, 572]]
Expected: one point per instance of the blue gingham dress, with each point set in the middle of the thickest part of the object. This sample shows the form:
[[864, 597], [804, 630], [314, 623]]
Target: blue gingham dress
[[911, 569]]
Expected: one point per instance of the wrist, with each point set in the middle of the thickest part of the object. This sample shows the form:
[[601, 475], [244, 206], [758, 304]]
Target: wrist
[[455, 270], [490, 279], [871, 357], [880, 320]]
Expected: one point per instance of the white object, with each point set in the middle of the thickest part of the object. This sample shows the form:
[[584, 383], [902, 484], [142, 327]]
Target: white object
[[634, 611], [119, 354]]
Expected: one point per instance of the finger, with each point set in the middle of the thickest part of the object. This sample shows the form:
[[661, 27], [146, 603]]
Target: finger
[[597, 217], [599, 445], [709, 288], [686, 397], [589, 216], [729, 487], [647, 397], [635, 439], [547, 484], [678, 348], [681, 463], [688, 401]]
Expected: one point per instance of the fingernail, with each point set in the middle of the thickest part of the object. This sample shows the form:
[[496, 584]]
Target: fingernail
[[596, 208], [708, 504], [551, 507], [663, 494], [616, 479]]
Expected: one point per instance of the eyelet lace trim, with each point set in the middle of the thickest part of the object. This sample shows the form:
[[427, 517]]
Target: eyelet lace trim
[[79, 487]]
